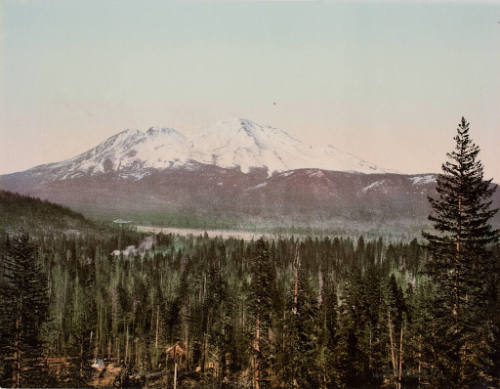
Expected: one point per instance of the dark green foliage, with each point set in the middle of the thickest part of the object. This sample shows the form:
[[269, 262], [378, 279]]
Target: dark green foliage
[[29, 213], [493, 312], [461, 264], [23, 310], [260, 303], [301, 332], [83, 323], [206, 294]]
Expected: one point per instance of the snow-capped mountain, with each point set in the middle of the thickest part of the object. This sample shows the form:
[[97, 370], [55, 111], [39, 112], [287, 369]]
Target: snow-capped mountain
[[243, 143], [236, 143], [161, 176], [130, 152]]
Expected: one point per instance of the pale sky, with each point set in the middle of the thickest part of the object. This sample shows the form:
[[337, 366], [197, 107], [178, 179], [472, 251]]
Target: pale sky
[[387, 82]]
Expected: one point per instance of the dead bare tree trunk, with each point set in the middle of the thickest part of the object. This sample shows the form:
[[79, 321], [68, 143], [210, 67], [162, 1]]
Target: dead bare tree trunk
[[393, 352], [166, 368], [126, 346], [118, 348], [81, 358], [400, 372], [257, 349], [17, 356], [157, 325], [296, 285], [175, 374], [296, 296], [96, 343], [320, 287], [186, 340], [397, 360], [419, 368]]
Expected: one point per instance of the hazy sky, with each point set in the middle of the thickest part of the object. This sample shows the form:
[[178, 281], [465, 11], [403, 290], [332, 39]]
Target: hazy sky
[[387, 82]]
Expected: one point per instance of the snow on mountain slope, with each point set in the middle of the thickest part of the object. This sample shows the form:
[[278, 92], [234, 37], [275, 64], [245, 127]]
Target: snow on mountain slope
[[423, 180], [229, 144], [130, 152], [243, 143]]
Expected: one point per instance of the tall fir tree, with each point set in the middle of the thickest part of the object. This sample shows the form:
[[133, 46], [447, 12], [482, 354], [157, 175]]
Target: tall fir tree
[[260, 304], [302, 349], [23, 310], [461, 262]]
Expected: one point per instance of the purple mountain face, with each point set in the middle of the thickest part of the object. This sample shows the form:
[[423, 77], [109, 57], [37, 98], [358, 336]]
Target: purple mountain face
[[237, 173]]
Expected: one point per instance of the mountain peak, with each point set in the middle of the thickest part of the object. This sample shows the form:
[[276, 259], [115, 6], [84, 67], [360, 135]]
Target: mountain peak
[[232, 125], [163, 131], [233, 143], [128, 131]]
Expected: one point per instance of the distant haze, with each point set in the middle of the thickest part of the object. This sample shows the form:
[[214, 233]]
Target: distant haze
[[386, 82]]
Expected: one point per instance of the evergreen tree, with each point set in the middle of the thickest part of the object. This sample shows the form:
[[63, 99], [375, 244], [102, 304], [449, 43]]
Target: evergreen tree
[[83, 319], [421, 341], [461, 261], [260, 303], [237, 312], [303, 365], [396, 315], [494, 311], [23, 310]]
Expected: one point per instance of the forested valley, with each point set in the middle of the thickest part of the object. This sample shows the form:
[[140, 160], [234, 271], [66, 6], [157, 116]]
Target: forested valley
[[286, 313], [83, 305]]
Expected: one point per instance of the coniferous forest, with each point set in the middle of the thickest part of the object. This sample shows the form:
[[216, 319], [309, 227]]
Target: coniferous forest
[[76, 310]]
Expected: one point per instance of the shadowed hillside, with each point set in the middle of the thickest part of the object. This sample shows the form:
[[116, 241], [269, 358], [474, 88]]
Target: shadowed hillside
[[31, 214]]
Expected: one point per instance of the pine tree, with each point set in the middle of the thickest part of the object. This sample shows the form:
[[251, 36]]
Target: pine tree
[[396, 315], [260, 304], [303, 365], [23, 310], [328, 337], [351, 360], [83, 323], [494, 311], [461, 260], [420, 341]]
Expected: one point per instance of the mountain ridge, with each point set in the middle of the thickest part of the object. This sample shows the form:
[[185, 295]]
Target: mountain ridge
[[236, 143]]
